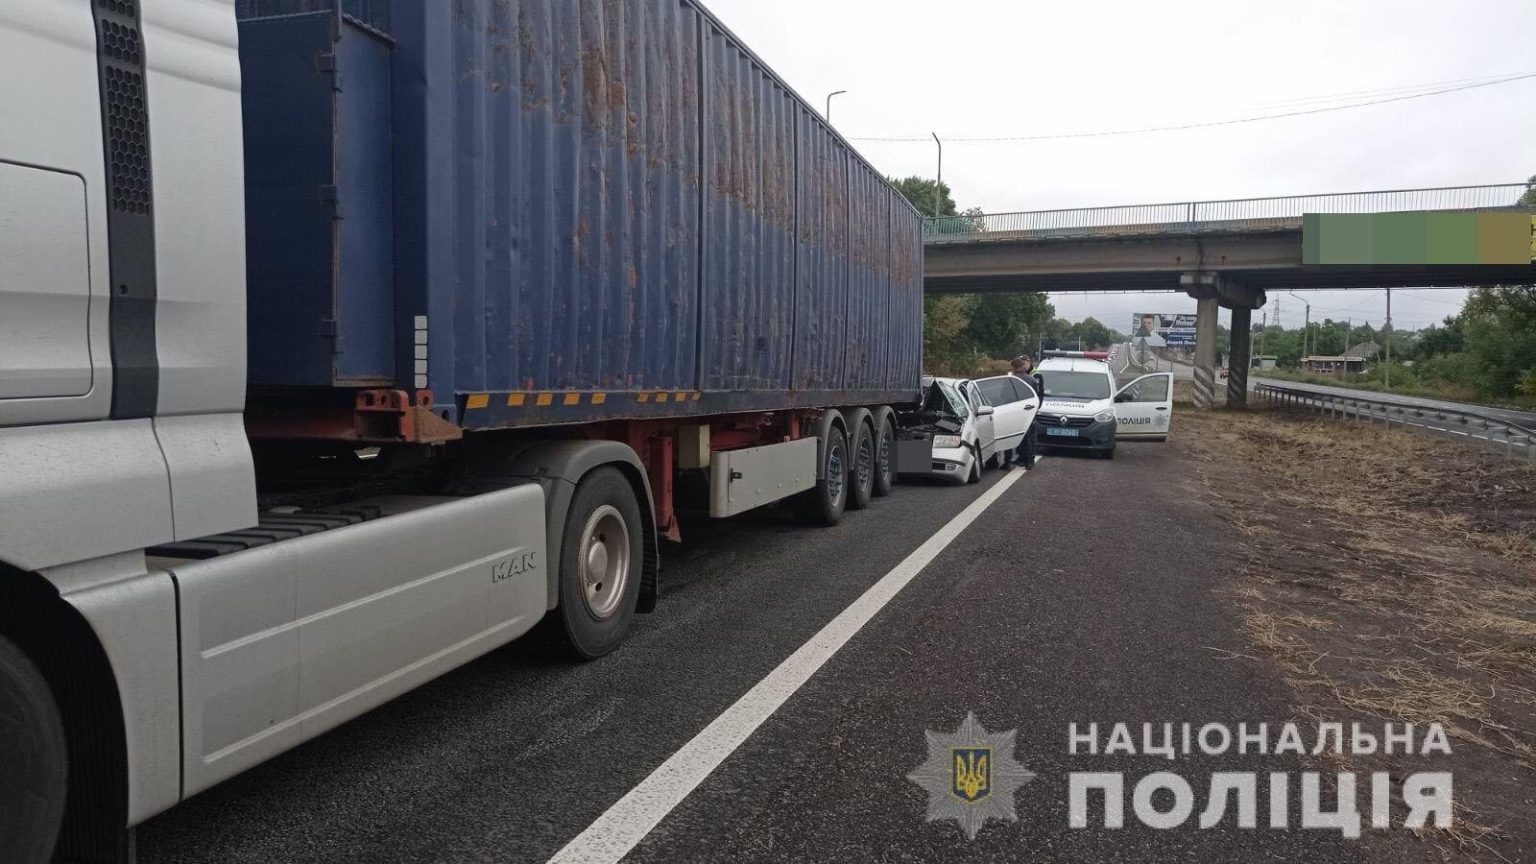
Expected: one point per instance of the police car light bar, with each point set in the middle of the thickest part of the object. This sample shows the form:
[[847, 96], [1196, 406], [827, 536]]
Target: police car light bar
[[1087, 355]]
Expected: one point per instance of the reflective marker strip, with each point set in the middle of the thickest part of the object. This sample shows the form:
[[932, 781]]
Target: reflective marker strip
[[519, 400], [478, 400], [626, 823]]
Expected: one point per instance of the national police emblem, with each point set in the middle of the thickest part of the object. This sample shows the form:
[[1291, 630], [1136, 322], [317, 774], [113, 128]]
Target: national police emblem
[[971, 776]]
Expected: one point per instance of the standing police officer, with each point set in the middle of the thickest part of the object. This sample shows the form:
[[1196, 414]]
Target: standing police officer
[[1023, 368]]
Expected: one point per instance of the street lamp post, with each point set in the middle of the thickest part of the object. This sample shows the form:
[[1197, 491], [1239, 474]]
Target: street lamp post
[[938, 183], [1386, 368], [1306, 327], [828, 113]]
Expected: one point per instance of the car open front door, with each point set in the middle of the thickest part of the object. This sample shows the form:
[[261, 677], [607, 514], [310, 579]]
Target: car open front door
[[1028, 405], [1144, 407], [986, 430], [1009, 418]]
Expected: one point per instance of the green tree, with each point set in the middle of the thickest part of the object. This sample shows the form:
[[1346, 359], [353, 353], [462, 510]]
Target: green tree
[[1051, 334], [1362, 334], [1440, 339], [947, 348], [1000, 323], [1284, 345], [962, 330], [919, 191], [1529, 198], [1093, 335], [1331, 337], [1499, 334]]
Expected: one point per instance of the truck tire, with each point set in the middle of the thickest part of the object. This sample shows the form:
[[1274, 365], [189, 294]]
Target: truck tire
[[823, 503], [861, 461], [32, 749], [885, 451], [600, 563]]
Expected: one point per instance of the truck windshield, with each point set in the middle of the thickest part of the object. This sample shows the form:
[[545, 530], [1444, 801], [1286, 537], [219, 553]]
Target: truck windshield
[[1076, 385]]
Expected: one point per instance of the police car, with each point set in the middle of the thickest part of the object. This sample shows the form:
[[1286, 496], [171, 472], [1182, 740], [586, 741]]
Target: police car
[[1083, 409]]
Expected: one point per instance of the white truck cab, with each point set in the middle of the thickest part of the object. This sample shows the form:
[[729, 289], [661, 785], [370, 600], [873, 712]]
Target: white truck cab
[[1084, 409]]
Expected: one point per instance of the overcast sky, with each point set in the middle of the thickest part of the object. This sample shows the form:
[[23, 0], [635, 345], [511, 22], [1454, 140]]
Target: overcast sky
[[1021, 67]]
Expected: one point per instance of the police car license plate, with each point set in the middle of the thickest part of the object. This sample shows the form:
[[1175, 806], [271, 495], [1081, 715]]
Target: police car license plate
[[1063, 433]]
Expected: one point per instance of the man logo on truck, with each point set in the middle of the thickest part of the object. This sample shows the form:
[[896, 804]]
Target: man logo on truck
[[516, 565]]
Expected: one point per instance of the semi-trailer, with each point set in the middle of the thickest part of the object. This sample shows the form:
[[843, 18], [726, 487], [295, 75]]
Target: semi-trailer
[[342, 341]]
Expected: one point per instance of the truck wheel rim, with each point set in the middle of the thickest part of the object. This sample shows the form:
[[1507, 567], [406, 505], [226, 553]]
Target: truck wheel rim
[[864, 463], [604, 561], [885, 453], [835, 474]]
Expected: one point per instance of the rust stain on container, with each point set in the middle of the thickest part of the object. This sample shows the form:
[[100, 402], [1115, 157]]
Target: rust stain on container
[[581, 184]]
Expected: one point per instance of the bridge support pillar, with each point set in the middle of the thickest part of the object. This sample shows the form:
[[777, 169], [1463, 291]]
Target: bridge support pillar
[[1206, 310], [1240, 357]]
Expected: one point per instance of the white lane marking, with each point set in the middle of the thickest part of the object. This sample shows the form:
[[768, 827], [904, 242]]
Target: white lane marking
[[612, 835]]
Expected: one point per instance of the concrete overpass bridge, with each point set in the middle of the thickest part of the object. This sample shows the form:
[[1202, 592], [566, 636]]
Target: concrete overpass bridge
[[1223, 253]]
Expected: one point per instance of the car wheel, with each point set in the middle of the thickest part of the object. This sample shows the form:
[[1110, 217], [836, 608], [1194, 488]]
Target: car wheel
[[975, 475], [32, 784], [885, 453], [823, 503], [600, 563], [861, 468]]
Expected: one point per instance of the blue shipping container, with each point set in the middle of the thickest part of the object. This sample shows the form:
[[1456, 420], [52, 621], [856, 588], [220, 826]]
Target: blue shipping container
[[560, 211]]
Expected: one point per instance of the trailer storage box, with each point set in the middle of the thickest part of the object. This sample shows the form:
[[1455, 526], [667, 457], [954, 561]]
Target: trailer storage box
[[560, 211]]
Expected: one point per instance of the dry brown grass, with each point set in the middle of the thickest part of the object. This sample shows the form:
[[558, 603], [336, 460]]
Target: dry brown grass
[[1390, 575]]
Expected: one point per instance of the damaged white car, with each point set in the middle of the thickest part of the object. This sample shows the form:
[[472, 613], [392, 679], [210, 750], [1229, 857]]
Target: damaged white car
[[962, 425]]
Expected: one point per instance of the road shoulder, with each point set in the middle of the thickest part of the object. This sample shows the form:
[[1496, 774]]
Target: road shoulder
[[1392, 578]]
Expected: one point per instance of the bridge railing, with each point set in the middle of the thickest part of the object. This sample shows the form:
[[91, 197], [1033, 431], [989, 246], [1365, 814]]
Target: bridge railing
[[1195, 217], [1476, 426]]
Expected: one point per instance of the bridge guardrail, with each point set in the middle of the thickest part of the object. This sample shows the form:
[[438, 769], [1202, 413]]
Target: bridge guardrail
[[1357, 408], [1196, 217]]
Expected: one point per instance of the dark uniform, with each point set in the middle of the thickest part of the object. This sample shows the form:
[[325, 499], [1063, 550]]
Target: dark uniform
[[1024, 454]]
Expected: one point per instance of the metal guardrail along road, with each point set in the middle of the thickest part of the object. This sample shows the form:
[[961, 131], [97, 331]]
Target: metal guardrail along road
[[1512, 439], [1196, 217]]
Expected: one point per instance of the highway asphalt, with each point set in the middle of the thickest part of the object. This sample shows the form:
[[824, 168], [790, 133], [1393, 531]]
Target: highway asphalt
[[1090, 591]]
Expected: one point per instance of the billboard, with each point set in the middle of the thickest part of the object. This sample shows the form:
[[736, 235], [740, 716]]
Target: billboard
[[1158, 329]]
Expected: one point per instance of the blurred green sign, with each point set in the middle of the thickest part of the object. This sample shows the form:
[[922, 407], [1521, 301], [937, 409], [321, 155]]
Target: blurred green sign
[[1418, 238]]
